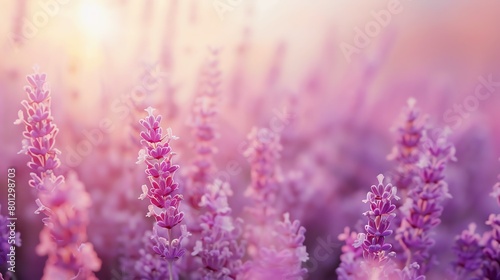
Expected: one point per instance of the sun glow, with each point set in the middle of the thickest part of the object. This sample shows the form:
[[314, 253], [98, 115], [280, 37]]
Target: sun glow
[[95, 20]]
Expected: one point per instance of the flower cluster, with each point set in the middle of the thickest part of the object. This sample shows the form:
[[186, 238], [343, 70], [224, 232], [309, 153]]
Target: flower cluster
[[218, 248], [422, 209], [478, 257], [165, 204], [64, 202]]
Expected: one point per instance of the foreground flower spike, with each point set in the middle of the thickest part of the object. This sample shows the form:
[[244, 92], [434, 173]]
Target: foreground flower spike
[[367, 255], [219, 249], [380, 215], [204, 112], [407, 150], [63, 202], [162, 189], [422, 210]]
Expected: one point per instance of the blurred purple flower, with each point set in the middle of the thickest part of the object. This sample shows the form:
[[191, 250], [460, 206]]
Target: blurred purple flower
[[478, 257], [275, 247], [219, 247], [422, 209], [204, 112], [407, 151], [283, 254]]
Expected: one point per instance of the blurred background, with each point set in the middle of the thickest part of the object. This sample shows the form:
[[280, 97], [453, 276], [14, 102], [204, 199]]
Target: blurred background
[[342, 69]]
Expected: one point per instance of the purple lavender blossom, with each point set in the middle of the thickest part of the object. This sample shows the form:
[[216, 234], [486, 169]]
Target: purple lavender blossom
[[407, 151], [204, 112], [219, 249], [368, 255], [165, 204], [422, 209], [469, 252], [64, 202], [375, 250]]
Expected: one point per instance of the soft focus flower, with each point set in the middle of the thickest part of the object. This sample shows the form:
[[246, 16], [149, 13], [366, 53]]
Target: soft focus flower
[[407, 150], [203, 128], [421, 212], [219, 247]]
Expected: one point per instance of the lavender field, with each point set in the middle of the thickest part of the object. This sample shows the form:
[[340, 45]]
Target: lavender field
[[259, 139]]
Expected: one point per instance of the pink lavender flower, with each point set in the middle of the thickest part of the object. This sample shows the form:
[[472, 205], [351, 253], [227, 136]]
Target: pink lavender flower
[[422, 210], [204, 112], [219, 249], [64, 202], [165, 204]]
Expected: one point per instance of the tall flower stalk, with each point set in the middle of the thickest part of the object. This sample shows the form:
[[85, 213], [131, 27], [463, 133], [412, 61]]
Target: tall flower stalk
[[162, 191], [407, 151], [204, 112], [422, 210], [64, 202]]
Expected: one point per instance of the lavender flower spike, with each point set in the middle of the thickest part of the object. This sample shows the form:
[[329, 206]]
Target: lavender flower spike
[[380, 215], [64, 202], [164, 207], [407, 151]]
